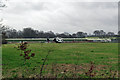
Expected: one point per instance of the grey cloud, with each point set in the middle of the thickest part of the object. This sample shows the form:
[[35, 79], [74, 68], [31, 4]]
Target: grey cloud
[[58, 16]]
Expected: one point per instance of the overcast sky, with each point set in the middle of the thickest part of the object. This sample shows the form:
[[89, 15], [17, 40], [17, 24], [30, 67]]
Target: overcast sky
[[59, 16]]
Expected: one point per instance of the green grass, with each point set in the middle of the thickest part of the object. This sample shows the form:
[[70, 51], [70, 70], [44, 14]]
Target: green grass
[[64, 53]]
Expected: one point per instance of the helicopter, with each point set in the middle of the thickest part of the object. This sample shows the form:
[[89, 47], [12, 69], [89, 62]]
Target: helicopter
[[58, 40]]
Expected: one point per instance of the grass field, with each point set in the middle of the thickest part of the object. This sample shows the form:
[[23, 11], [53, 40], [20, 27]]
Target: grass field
[[65, 60]]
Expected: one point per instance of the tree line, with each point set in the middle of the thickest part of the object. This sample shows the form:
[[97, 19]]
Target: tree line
[[31, 33]]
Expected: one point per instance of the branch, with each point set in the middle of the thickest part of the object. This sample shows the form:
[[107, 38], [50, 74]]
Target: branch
[[44, 62]]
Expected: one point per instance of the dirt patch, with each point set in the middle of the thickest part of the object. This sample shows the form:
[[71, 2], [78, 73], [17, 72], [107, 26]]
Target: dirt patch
[[113, 62], [99, 53], [65, 71], [103, 53], [113, 58]]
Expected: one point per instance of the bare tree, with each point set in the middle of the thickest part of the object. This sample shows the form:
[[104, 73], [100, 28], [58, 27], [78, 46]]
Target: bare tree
[[2, 27], [96, 32]]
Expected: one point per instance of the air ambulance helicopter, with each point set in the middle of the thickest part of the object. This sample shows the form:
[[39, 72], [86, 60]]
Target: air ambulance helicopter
[[58, 40]]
